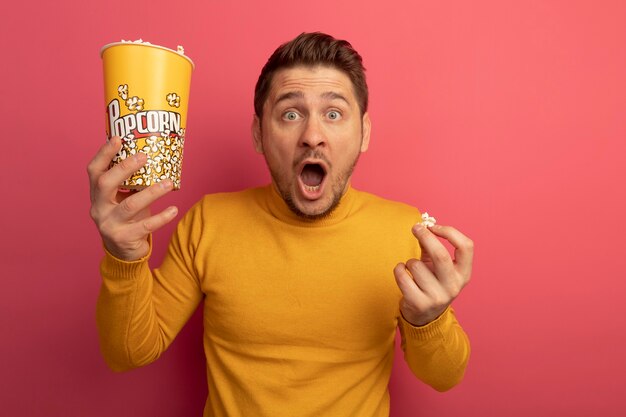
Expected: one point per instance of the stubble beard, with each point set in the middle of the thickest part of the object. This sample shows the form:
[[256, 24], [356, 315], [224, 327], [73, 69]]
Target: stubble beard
[[284, 189]]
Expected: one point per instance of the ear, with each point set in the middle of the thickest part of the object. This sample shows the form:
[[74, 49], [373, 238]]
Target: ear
[[257, 136], [366, 129]]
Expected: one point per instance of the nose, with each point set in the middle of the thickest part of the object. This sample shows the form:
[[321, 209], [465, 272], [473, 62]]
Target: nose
[[313, 134]]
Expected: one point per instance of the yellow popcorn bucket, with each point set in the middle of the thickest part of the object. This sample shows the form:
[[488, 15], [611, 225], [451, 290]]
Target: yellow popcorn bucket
[[146, 95]]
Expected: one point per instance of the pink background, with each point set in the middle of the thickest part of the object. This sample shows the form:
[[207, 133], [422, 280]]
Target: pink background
[[504, 119]]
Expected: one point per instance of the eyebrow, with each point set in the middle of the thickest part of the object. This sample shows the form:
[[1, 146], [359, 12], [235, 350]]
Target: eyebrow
[[289, 95], [329, 95]]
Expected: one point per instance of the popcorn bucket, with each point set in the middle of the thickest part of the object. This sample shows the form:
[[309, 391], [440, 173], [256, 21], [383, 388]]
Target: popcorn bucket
[[146, 93]]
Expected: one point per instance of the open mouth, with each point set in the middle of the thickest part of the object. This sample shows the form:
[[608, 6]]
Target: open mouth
[[312, 179]]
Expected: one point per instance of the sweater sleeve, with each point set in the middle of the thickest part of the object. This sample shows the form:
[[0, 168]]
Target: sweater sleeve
[[438, 352], [139, 312]]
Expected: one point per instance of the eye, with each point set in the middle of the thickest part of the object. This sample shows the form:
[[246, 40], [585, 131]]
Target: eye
[[333, 115], [291, 115]]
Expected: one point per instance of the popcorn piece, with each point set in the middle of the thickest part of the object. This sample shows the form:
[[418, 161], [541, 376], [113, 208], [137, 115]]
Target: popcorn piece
[[134, 104], [427, 220], [137, 41], [179, 48], [122, 91], [164, 159], [173, 100]]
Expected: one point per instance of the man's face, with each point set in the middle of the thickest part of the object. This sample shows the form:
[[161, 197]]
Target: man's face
[[311, 135]]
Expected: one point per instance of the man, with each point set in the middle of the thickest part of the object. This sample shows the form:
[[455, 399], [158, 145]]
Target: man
[[302, 281]]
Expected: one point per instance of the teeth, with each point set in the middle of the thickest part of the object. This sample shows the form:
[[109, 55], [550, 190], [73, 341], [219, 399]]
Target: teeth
[[311, 188]]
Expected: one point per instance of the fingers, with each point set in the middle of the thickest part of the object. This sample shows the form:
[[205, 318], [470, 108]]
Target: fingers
[[430, 285], [443, 265], [407, 285], [100, 163], [104, 182], [108, 183], [423, 277], [417, 306], [129, 241], [123, 219], [463, 247], [137, 202], [155, 222]]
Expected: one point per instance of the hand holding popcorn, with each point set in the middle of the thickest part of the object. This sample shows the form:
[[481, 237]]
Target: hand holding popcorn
[[123, 218], [427, 220], [430, 284]]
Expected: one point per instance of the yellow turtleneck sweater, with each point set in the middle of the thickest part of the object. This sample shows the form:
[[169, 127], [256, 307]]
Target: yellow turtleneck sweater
[[299, 316]]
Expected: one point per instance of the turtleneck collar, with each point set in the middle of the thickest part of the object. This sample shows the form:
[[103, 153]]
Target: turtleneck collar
[[279, 209]]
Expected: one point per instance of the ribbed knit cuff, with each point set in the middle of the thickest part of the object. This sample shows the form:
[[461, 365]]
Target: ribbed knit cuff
[[436, 328], [114, 268]]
